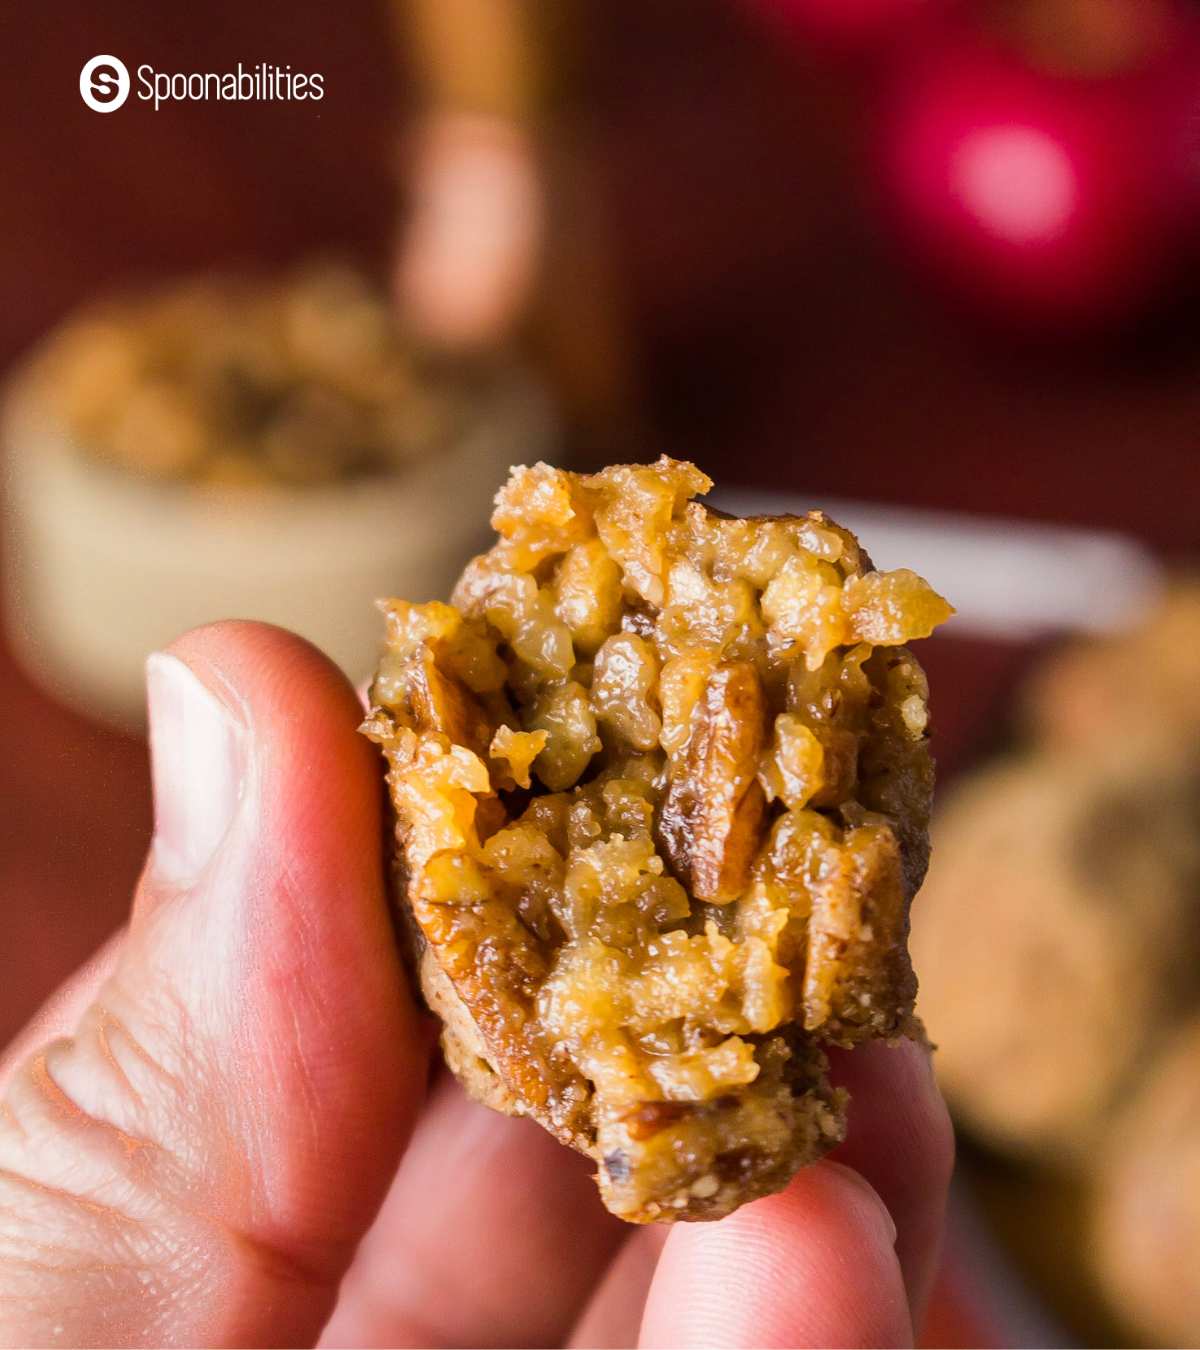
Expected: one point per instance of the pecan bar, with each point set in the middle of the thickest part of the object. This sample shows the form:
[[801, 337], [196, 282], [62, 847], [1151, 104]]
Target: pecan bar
[[661, 786]]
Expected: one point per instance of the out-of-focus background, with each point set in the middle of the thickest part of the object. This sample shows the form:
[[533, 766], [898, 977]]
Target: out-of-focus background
[[931, 263]]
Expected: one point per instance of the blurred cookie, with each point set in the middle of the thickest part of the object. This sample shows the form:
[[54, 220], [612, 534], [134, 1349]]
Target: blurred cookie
[[1057, 936], [1142, 683], [1146, 1236]]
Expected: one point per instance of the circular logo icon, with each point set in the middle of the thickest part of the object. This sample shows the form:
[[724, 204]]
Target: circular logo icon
[[104, 83]]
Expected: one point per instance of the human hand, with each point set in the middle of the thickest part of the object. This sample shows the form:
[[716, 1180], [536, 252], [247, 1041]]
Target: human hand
[[220, 1133]]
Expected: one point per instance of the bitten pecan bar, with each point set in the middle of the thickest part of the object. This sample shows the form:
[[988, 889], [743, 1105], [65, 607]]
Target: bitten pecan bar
[[662, 788]]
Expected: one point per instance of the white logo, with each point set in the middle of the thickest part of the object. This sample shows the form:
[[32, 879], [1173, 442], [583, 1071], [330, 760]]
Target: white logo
[[104, 83]]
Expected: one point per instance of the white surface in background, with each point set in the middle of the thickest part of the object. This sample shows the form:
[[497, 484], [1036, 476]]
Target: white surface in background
[[1006, 578]]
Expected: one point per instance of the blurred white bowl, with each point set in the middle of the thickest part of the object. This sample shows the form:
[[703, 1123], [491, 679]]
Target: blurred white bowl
[[103, 566]]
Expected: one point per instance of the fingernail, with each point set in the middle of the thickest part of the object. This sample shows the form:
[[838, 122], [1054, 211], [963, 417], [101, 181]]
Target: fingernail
[[196, 767]]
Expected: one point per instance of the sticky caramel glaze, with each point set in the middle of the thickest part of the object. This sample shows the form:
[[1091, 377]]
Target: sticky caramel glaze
[[662, 788]]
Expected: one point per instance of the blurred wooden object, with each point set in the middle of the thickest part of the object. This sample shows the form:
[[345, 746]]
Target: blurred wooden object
[[505, 231], [475, 56]]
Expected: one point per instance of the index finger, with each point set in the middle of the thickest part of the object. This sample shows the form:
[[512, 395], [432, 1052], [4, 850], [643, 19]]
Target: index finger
[[900, 1139], [812, 1266], [822, 1263]]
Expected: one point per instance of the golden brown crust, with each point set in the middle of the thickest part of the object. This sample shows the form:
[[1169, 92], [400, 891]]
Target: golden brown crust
[[661, 786]]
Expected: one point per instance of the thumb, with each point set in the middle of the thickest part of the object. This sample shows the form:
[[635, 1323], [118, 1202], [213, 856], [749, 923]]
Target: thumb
[[197, 1161]]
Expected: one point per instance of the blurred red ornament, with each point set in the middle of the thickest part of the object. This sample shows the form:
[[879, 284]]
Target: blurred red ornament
[[846, 26], [1051, 197]]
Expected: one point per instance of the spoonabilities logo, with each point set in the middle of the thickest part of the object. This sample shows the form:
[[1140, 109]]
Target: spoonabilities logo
[[104, 83]]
